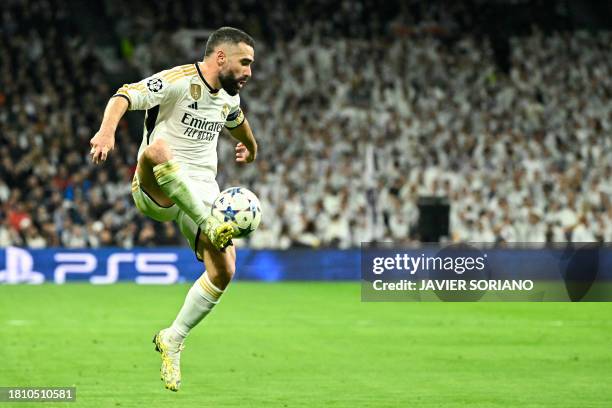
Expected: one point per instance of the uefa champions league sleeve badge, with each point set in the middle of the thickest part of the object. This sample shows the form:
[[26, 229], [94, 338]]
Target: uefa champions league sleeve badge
[[155, 84]]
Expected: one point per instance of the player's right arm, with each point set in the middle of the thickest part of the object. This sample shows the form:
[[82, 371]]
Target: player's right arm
[[150, 92], [104, 140]]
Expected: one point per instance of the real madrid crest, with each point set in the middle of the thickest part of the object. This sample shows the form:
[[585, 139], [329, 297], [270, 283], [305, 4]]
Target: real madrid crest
[[225, 111], [196, 91]]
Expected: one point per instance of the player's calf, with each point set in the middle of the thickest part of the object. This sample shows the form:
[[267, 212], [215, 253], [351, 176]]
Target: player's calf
[[220, 265], [202, 297]]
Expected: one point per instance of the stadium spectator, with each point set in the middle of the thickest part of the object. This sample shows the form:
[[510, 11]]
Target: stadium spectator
[[350, 143]]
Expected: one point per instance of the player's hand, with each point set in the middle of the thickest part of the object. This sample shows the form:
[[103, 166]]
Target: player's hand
[[243, 155], [102, 143]]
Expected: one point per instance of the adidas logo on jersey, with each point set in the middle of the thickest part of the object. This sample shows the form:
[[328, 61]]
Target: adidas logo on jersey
[[194, 106]]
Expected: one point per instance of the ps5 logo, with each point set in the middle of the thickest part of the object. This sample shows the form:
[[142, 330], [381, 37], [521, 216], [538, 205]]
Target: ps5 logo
[[151, 267], [20, 268]]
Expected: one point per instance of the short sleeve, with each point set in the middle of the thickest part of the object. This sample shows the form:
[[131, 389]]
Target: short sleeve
[[157, 89], [235, 117]]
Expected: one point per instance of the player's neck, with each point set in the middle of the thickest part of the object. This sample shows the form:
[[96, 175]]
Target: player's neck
[[210, 75]]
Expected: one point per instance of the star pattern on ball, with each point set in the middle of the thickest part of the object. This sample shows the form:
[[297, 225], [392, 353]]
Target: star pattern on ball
[[240, 207], [229, 213]]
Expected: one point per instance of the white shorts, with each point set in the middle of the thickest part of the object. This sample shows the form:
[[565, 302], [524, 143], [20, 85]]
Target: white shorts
[[207, 191]]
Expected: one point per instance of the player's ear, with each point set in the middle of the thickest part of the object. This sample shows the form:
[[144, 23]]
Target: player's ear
[[221, 57]]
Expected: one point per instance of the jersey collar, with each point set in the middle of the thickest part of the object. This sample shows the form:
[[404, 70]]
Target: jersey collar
[[210, 88]]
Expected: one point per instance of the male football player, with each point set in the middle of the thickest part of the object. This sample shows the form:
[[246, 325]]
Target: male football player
[[186, 108]]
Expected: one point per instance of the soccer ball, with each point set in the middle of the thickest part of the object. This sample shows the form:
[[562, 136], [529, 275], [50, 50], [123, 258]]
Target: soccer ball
[[240, 206]]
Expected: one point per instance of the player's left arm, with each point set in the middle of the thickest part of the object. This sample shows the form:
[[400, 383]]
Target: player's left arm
[[246, 150], [239, 128]]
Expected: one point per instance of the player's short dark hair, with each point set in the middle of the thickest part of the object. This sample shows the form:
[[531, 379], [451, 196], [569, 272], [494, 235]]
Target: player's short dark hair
[[227, 35]]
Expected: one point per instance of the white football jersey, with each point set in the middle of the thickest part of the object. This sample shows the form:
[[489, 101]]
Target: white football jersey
[[186, 112]]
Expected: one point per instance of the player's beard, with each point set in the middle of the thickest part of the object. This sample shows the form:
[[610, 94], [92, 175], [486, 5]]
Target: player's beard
[[229, 82]]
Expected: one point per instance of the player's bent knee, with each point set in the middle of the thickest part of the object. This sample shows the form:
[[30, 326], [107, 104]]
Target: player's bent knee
[[157, 152]]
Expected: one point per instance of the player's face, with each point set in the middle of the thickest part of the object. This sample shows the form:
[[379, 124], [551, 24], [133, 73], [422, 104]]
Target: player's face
[[236, 68]]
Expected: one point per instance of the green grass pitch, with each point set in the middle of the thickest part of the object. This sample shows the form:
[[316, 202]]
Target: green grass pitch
[[305, 345]]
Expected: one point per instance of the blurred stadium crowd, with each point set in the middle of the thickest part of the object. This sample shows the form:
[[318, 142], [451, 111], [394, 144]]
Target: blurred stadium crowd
[[356, 119]]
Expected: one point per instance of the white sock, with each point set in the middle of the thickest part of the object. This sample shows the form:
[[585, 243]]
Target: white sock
[[200, 300]]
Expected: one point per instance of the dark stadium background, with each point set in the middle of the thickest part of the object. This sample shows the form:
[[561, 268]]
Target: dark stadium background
[[327, 175], [404, 121]]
